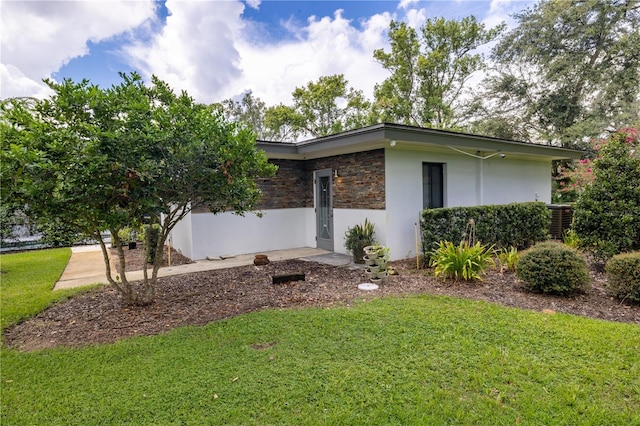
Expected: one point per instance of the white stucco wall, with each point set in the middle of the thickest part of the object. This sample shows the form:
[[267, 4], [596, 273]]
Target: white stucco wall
[[182, 237], [512, 180], [467, 181], [226, 233], [343, 219]]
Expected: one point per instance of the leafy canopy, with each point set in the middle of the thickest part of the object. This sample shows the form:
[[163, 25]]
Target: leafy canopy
[[568, 70], [429, 70], [95, 160]]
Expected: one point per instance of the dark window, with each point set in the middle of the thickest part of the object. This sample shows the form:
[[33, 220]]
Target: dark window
[[432, 185]]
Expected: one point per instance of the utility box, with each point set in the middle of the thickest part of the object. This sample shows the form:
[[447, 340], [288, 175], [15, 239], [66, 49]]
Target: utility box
[[561, 217]]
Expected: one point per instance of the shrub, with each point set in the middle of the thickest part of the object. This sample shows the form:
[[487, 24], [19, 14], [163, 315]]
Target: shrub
[[151, 236], [508, 259], [518, 224], [462, 261], [607, 213], [553, 268], [127, 235], [359, 237], [623, 276], [571, 239]]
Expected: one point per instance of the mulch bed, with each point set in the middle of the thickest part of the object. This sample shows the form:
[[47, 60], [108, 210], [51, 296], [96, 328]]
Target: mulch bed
[[136, 258], [196, 299]]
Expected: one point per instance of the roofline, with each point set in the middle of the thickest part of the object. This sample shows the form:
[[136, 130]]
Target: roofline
[[379, 135]]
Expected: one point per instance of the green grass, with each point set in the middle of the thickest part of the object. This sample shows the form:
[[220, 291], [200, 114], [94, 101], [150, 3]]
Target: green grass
[[418, 360], [26, 283]]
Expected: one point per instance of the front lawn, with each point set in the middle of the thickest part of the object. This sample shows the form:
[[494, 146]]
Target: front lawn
[[414, 360], [27, 280]]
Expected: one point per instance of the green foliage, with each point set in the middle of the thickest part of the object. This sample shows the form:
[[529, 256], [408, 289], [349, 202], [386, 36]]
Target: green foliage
[[59, 234], [429, 71], [570, 238], [518, 224], [27, 282], [321, 108], [10, 218], [566, 71], [462, 261], [607, 213], [283, 124], [358, 237], [127, 234], [412, 360], [553, 268], [249, 111], [151, 237], [508, 259], [623, 276], [95, 159]]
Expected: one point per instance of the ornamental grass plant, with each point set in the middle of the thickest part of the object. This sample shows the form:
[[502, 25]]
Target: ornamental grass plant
[[462, 262]]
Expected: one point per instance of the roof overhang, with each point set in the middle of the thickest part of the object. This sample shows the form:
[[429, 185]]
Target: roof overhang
[[398, 136]]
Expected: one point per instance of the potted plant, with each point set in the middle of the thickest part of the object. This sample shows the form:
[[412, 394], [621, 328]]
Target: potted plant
[[128, 236], [371, 253], [357, 238], [382, 256]]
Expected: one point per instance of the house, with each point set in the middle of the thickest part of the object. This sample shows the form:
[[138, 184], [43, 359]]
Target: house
[[387, 173]]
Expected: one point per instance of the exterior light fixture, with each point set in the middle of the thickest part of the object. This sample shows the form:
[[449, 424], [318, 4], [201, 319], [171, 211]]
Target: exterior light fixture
[[335, 173]]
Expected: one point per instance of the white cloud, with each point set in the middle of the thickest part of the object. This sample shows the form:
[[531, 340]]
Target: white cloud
[[325, 46], [39, 37], [195, 50], [207, 49], [415, 18], [500, 11], [16, 84], [406, 4]]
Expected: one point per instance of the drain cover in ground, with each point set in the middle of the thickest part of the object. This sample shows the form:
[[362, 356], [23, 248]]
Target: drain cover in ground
[[367, 286]]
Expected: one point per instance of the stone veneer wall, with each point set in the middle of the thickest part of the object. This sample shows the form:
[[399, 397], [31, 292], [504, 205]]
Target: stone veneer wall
[[288, 189], [361, 181], [360, 185]]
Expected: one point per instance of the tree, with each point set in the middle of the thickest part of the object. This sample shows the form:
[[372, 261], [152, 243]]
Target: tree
[[250, 111], [319, 109], [283, 123], [607, 213], [429, 72], [328, 106], [96, 160], [567, 72]]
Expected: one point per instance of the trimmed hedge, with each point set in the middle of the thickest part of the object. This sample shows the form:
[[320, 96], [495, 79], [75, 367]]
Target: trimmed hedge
[[623, 276], [518, 224], [553, 268]]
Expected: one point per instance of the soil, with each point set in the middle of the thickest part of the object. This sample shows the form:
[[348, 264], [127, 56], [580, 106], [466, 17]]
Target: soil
[[99, 316]]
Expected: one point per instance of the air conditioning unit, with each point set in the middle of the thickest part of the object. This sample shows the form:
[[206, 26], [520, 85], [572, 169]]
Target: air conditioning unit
[[561, 217]]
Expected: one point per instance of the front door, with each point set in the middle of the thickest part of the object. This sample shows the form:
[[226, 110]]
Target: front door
[[324, 210]]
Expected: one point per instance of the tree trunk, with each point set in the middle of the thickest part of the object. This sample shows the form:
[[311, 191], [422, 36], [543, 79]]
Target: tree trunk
[[133, 294]]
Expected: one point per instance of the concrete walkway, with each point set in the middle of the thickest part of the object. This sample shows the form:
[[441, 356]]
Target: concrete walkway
[[86, 265]]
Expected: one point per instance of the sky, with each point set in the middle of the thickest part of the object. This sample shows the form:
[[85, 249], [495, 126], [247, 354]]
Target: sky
[[213, 49]]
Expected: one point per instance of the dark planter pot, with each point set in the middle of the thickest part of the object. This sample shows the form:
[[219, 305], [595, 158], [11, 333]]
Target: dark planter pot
[[133, 245], [358, 253]]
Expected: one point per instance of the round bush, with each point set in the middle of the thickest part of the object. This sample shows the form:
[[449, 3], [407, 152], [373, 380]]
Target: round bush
[[623, 276], [553, 268]]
